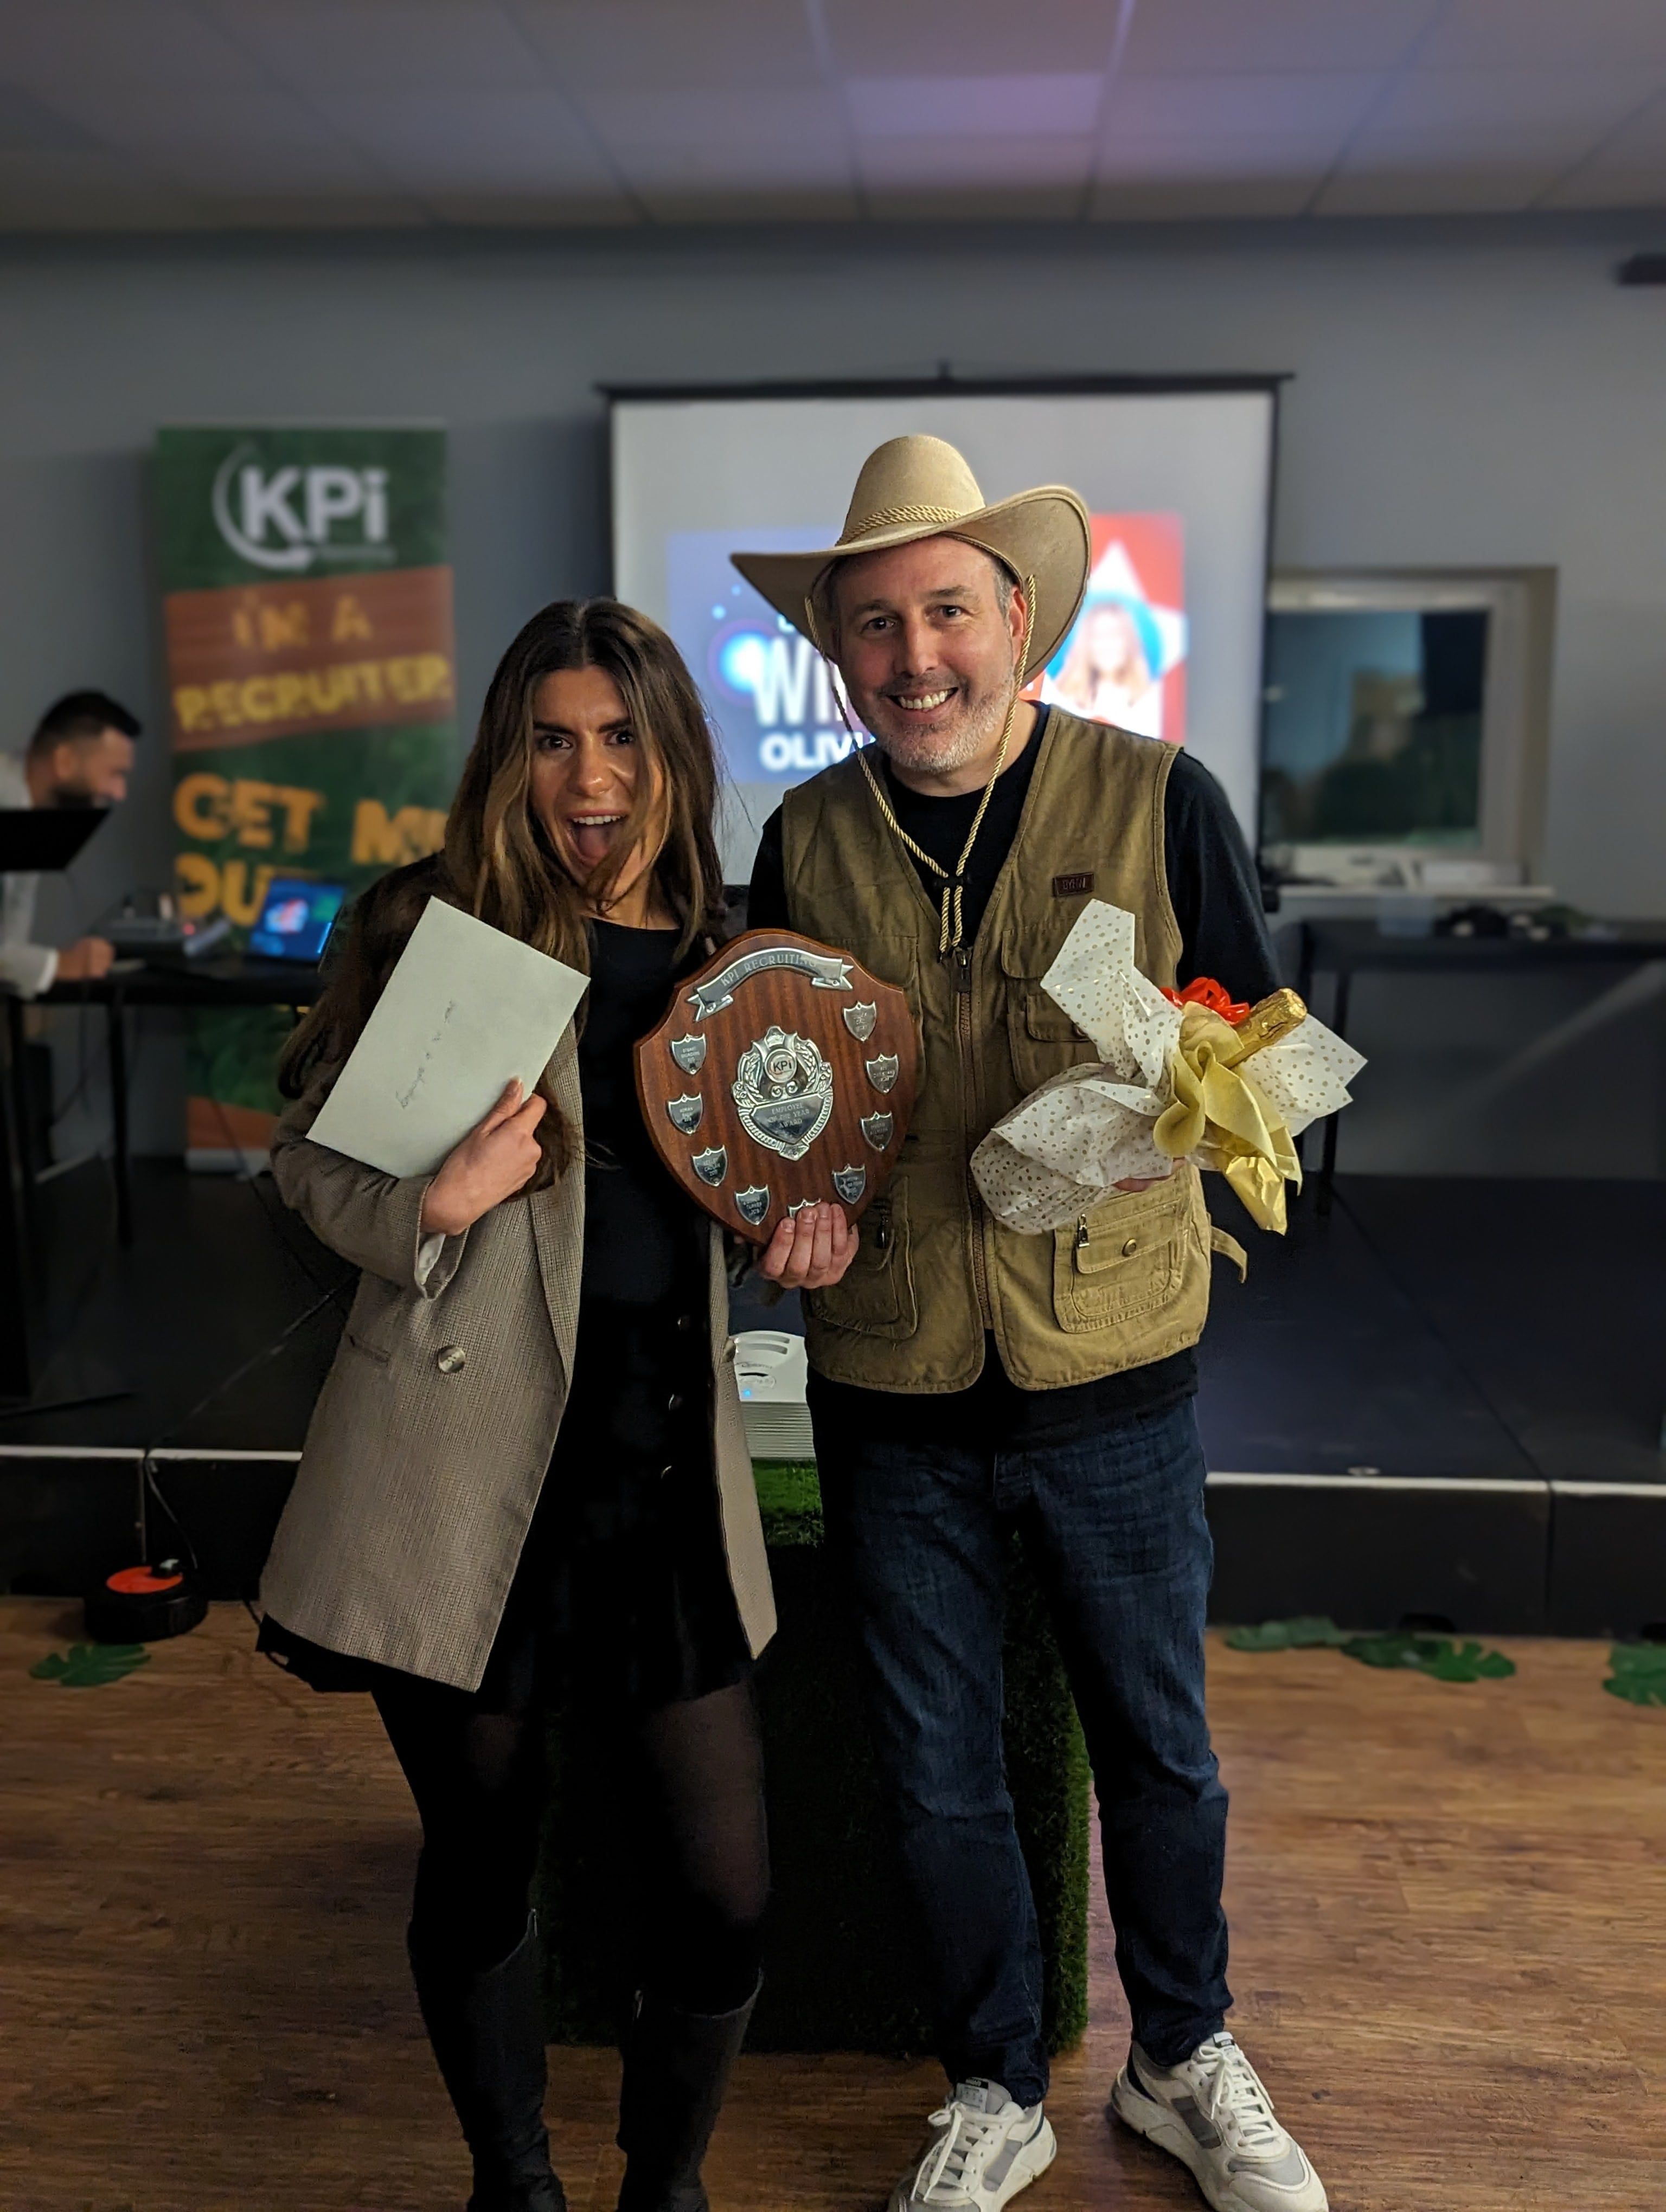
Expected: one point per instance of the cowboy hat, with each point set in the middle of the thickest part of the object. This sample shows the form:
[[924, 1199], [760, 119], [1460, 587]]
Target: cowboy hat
[[917, 487]]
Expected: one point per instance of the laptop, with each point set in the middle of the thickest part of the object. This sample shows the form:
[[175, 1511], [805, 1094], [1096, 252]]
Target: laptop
[[296, 920]]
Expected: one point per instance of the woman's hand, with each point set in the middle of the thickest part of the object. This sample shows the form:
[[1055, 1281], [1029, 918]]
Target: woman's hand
[[810, 1249], [492, 1163]]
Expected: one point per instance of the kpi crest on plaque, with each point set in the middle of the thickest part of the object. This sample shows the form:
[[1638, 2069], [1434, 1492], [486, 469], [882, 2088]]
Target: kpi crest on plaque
[[784, 1074]]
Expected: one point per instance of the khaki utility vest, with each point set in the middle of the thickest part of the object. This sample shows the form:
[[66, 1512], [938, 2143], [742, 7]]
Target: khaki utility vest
[[1128, 1282]]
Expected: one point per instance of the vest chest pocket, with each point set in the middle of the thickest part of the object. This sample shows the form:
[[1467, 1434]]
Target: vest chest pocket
[[1122, 1259], [876, 1298], [1044, 1040]]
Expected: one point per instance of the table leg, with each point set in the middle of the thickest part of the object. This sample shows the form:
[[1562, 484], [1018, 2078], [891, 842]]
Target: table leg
[[17, 1304], [116, 1019], [1328, 1163]]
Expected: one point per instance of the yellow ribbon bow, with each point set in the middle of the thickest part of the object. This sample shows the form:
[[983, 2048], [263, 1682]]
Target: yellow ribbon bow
[[1225, 1120]]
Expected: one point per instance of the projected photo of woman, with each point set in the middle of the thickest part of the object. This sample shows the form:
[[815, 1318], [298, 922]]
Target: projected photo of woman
[[526, 1473], [1108, 675]]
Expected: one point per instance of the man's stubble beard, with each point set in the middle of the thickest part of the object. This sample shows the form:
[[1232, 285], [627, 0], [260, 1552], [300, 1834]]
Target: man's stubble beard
[[942, 754]]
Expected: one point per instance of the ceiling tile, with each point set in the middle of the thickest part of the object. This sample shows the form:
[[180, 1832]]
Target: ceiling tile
[[1212, 159], [670, 43], [1512, 106], [950, 163], [53, 43], [1628, 169], [57, 191], [1187, 36], [716, 119], [326, 210], [1546, 33], [925, 37], [835, 203], [375, 45], [1299, 106], [498, 143], [253, 142], [1198, 198], [1431, 187], [972, 106]]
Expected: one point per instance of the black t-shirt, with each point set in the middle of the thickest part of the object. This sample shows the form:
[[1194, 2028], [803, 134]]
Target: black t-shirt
[[1216, 897], [644, 1240]]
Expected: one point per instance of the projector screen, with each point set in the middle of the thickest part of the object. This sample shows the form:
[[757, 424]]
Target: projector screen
[[1169, 640]]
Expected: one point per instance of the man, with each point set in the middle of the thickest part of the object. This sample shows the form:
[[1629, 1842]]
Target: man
[[80, 755], [967, 1379]]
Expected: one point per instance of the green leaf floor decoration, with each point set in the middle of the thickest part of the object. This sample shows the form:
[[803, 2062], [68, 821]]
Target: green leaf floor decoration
[[1306, 1633], [89, 1666], [1638, 1674], [1437, 1657]]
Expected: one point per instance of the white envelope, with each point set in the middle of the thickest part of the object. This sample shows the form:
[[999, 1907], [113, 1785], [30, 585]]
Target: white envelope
[[466, 1008]]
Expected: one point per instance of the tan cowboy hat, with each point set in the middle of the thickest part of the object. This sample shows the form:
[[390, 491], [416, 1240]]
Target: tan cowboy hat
[[918, 487]]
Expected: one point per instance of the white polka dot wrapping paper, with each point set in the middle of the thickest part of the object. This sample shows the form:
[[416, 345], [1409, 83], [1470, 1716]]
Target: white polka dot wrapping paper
[[1059, 1150]]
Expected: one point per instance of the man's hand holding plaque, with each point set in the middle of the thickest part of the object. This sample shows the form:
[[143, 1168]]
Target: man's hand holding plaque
[[777, 1090]]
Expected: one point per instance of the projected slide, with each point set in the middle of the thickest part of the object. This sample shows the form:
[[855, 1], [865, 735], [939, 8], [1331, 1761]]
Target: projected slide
[[769, 692], [1168, 641]]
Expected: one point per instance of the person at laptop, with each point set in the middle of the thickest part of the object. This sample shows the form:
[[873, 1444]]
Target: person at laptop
[[80, 755]]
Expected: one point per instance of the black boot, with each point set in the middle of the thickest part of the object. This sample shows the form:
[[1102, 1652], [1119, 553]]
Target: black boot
[[677, 2067], [487, 2031]]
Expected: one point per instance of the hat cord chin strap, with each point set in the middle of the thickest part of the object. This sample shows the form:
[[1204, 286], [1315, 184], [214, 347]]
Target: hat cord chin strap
[[951, 927]]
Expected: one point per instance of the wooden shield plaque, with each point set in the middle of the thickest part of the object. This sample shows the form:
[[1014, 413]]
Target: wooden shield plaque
[[784, 1074]]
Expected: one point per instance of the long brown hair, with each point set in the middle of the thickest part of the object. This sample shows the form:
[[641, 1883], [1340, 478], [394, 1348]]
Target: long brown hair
[[498, 862]]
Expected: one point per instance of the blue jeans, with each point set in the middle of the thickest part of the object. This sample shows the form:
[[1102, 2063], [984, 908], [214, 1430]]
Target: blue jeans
[[1115, 1528]]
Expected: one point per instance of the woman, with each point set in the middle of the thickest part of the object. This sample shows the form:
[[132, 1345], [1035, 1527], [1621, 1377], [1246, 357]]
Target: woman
[[526, 1466]]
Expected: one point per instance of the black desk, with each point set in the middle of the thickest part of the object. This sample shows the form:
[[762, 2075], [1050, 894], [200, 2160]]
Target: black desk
[[1343, 949], [205, 987]]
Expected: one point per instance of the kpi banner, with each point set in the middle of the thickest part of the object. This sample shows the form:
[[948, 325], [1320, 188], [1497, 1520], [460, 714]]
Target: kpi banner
[[311, 691]]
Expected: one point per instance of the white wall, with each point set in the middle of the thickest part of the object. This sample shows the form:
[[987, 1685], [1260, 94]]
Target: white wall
[[1466, 393]]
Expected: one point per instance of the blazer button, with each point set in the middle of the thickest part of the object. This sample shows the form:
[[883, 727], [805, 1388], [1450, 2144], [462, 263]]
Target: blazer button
[[686, 1322], [675, 1403], [451, 1360]]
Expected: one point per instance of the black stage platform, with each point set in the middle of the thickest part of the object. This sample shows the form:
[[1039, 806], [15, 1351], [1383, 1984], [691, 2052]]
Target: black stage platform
[[1445, 1400]]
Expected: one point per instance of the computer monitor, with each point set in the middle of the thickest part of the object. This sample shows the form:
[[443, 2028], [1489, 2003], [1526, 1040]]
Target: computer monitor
[[295, 919], [1404, 737]]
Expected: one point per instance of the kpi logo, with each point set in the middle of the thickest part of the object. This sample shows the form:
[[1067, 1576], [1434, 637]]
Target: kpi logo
[[287, 518]]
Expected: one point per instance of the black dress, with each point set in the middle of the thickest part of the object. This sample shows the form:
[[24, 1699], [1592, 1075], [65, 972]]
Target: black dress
[[622, 1578]]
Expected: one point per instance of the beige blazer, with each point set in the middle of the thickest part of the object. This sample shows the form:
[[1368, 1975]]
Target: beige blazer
[[429, 1441]]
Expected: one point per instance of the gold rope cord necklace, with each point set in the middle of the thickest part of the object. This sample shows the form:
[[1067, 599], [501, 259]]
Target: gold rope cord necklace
[[951, 928]]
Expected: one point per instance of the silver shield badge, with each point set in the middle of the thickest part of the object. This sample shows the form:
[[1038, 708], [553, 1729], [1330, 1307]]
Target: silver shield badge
[[860, 1021], [850, 1183], [752, 1205], [877, 1128], [784, 1090], [882, 1071], [689, 1053], [685, 1113], [711, 1166]]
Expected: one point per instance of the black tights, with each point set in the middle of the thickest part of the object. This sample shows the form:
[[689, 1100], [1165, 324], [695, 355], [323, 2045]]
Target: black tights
[[694, 1777]]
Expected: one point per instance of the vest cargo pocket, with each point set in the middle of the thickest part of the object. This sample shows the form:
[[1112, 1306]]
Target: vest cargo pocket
[[876, 1298], [1120, 1260]]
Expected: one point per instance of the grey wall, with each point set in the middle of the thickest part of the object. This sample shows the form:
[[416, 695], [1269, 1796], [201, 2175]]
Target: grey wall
[[1463, 394]]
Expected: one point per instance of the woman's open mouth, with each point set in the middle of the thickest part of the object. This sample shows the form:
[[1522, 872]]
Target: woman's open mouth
[[592, 835]]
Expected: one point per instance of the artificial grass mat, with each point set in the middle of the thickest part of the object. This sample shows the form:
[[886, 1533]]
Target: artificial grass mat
[[841, 1970]]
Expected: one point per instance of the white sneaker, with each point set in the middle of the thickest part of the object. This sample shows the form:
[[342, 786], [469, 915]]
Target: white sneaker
[[984, 2148], [1212, 2113]]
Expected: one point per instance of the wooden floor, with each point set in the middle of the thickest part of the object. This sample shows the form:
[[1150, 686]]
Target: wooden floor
[[1448, 1911]]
